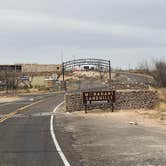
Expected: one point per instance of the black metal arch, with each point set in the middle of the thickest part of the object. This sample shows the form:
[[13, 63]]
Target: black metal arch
[[105, 64]]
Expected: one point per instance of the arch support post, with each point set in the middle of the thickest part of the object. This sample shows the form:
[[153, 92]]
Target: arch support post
[[63, 71], [109, 73]]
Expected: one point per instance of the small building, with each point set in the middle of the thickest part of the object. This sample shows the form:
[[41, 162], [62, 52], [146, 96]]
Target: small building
[[40, 68], [11, 68], [31, 68]]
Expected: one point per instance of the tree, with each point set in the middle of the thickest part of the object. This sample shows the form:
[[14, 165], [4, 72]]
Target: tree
[[159, 73], [157, 70]]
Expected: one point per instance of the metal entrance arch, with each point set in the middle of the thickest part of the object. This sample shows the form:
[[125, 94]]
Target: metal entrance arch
[[104, 64]]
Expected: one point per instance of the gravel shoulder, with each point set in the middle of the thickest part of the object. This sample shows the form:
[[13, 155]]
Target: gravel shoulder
[[122, 138], [9, 99]]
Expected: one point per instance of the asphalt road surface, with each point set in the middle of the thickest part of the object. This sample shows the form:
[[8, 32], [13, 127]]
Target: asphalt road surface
[[89, 140], [25, 138]]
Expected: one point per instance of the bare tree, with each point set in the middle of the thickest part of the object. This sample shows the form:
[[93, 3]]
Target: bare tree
[[144, 67], [159, 73]]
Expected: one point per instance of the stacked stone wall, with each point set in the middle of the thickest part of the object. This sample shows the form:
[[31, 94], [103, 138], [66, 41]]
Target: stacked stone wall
[[130, 86], [141, 99], [133, 99]]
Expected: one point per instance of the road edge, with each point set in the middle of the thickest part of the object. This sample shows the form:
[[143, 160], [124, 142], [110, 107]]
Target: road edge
[[56, 144]]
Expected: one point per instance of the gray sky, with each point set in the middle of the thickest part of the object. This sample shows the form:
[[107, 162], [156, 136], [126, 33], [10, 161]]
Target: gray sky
[[125, 31]]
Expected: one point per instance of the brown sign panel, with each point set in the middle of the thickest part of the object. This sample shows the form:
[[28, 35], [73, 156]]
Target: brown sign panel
[[108, 96]]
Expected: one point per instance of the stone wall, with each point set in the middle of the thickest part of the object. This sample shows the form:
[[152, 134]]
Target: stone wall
[[133, 99], [134, 86], [73, 101], [141, 99]]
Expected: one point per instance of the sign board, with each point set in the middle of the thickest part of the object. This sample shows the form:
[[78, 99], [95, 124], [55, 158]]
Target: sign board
[[24, 78], [89, 97]]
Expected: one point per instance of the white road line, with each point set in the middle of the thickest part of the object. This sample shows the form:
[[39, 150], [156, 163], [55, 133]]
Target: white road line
[[58, 148], [4, 104]]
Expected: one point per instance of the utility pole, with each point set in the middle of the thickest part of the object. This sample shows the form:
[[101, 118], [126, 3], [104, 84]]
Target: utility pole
[[109, 73], [61, 56], [6, 79], [63, 71]]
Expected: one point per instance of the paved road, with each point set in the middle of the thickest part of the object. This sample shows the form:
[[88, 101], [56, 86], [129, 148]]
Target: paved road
[[25, 139]]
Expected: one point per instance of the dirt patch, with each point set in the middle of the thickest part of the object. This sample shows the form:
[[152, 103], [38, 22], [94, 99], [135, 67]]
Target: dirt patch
[[106, 138], [148, 118], [7, 99], [155, 116]]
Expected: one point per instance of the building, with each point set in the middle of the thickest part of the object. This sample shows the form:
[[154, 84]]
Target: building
[[40, 68], [31, 68], [28, 74], [10, 68]]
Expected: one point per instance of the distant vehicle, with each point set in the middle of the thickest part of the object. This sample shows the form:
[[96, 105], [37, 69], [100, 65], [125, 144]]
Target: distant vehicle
[[54, 77], [2, 83]]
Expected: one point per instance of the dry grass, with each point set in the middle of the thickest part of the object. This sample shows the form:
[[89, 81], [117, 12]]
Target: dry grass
[[8, 99], [160, 112], [162, 94]]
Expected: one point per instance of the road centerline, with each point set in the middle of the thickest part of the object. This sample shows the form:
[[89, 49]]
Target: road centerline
[[11, 114]]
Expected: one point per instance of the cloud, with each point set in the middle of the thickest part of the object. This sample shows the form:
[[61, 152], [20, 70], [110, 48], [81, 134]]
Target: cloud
[[18, 21], [38, 27]]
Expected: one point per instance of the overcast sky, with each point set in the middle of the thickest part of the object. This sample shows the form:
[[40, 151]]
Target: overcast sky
[[42, 31]]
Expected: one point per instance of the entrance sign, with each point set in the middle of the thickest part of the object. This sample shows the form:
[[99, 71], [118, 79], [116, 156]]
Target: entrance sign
[[107, 96]]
